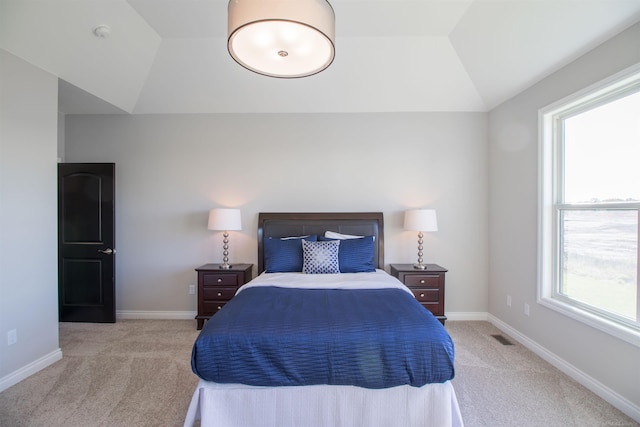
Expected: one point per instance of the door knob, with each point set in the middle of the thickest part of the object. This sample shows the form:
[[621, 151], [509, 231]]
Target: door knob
[[107, 251]]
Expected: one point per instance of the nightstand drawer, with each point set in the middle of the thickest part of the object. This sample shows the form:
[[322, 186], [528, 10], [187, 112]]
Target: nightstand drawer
[[211, 307], [211, 293], [424, 280], [219, 279], [426, 295]]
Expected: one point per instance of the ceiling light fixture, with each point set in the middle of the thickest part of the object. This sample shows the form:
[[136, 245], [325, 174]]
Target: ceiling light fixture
[[282, 38]]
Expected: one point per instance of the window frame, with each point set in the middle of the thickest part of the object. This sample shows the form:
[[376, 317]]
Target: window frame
[[550, 185]]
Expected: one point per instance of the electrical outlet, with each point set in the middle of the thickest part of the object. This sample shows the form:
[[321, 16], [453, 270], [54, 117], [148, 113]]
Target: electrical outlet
[[192, 289], [508, 300], [12, 337], [526, 309]]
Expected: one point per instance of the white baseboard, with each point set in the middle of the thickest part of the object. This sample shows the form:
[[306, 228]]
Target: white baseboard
[[467, 315], [629, 408], [155, 315], [30, 369]]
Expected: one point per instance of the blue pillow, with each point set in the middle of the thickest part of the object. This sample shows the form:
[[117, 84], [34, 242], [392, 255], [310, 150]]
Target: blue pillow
[[320, 257], [356, 255], [284, 255]]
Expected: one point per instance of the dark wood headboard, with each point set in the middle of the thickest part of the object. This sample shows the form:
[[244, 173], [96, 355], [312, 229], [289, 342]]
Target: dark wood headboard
[[285, 224]]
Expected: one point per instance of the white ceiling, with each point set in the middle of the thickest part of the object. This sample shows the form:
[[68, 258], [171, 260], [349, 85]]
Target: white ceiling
[[170, 56]]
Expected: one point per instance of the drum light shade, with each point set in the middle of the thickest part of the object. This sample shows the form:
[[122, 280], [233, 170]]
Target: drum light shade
[[224, 219], [282, 38], [421, 220]]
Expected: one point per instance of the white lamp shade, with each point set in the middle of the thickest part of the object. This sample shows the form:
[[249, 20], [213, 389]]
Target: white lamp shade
[[282, 38], [224, 219], [421, 220]]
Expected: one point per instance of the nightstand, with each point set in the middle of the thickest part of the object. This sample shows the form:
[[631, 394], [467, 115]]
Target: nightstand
[[427, 286], [216, 286]]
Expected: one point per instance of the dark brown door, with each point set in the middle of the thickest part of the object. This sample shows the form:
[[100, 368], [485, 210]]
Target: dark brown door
[[86, 242]]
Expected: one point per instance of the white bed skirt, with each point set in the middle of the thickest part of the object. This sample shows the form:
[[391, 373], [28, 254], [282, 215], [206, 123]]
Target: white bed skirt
[[235, 405]]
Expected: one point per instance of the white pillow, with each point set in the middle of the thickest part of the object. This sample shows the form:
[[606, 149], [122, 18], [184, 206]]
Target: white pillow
[[340, 236]]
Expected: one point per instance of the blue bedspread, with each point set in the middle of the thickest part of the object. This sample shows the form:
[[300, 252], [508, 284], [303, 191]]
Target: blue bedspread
[[271, 336]]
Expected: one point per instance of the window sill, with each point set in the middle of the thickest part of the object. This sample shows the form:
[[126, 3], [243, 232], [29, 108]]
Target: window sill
[[618, 330]]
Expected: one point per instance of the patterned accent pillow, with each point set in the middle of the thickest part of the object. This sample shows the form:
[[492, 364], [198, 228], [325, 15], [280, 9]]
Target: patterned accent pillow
[[320, 257]]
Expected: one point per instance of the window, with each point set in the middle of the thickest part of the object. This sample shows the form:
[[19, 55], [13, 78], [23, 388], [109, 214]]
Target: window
[[589, 208]]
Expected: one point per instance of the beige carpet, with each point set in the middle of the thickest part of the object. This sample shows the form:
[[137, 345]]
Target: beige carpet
[[507, 385], [131, 373], [137, 373]]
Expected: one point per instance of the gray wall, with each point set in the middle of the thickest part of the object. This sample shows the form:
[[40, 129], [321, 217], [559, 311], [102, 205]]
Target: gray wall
[[513, 226], [28, 212], [171, 169]]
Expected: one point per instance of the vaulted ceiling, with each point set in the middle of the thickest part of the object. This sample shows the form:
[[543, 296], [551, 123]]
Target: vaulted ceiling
[[170, 56]]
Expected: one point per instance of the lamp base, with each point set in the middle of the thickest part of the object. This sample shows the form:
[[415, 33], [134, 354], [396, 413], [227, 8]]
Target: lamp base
[[225, 266], [420, 266]]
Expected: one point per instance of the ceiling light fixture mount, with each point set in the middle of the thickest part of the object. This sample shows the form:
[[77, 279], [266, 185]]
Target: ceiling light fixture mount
[[102, 31], [282, 38]]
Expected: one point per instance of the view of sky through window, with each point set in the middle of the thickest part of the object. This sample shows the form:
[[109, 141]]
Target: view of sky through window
[[602, 152]]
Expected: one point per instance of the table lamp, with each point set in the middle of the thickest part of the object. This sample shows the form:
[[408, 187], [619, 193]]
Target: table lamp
[[420, 220], [224, 220]]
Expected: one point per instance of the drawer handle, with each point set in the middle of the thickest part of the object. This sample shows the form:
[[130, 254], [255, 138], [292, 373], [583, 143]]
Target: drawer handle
[[219, 307], [219, 280], [219, 294], [422, 281], [422, 295]]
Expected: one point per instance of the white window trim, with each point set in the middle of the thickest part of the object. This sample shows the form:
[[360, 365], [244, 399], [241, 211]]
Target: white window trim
[[547, 222]]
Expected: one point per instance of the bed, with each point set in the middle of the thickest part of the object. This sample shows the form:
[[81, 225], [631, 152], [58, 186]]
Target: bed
[[323, 336]]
